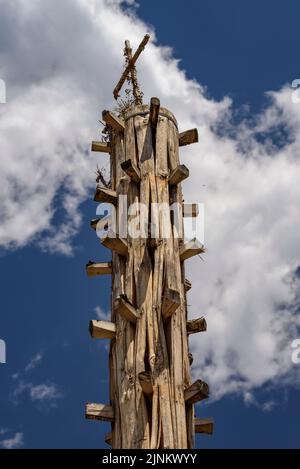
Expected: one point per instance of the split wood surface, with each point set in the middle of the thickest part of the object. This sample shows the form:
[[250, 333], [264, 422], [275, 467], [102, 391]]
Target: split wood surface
[[151, 394]]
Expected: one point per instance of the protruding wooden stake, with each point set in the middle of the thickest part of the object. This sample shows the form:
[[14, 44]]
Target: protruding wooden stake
[[102, 329], [105, 195], [108, 438], [178, 175], [196, 325], [131, 169], [115, 244], [197, 391], [100, 223], [113, 121], [99, 412], [154, 110], [171, 301], [123, 307], [204, 426], [146, 382], [190, 249], [190, 210], [187, 285], [103, 147], [98, 268], [187, 137]]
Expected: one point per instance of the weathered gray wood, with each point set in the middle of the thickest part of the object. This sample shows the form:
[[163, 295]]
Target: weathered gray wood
[[150, 385], [180, 173], [99, 412], [204, 426], [190, 210], [131, 169], [102, 147], [106, 195], [188, 137], [196, 325], [135, 290], [98, 268], [190, 249], [102, 329], [113, 121], [126, 309], [115, 244], [197, 391], [130, 65], [154, 111]]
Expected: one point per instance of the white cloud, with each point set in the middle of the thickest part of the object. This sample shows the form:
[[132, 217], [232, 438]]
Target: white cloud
[[101, 314], [16, 441], [249, 186], [44, 393], [34, 362]]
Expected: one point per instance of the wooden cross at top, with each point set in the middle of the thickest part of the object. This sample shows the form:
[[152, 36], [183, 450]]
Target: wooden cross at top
[[130, 70]]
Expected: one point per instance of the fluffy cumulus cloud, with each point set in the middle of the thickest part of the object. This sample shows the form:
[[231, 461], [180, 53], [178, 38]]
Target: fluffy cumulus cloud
[[12, 442], [60, 61]]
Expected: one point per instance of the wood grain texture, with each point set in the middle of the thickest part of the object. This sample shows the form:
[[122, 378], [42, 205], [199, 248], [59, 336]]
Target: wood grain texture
[[151, 394], [98, 268], [188, 137], [102, 329], [99, 412], [102, 147]]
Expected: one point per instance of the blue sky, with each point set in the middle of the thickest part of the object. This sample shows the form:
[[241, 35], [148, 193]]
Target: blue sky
[[235, 50]]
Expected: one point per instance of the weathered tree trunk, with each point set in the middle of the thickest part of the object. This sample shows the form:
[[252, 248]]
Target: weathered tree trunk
[[149, 356]]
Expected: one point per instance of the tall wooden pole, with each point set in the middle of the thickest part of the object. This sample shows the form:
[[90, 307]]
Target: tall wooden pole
[[151, 394]]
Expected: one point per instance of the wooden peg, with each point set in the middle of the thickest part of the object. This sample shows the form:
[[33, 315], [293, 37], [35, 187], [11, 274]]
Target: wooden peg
[[197, 391], [98, 268], [99, 412], [123, 307], [113, 121], [108, 438], [196, 325], [188, 137], [102, 147], [105, 196], [171, 301], [180, 173], [100, 223], [102, 329], [131, 169], [204, 426], [190, 249], [115, 244]]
